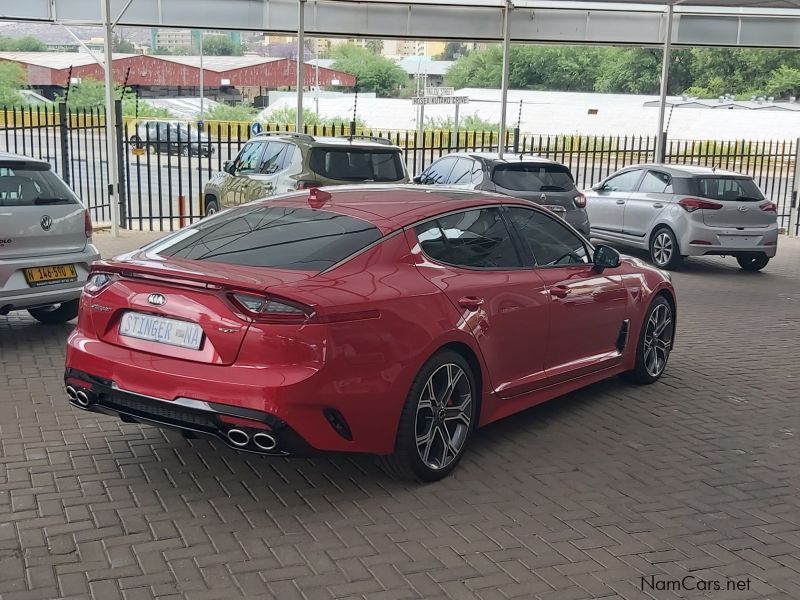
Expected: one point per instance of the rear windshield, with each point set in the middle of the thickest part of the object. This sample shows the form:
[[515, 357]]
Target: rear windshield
[[298, 239], [741, 189], [357, 164], [24, 184], [533, 177]]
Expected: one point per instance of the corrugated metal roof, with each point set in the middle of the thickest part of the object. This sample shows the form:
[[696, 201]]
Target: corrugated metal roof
[[219, 64], [55, 60], [413, 65]]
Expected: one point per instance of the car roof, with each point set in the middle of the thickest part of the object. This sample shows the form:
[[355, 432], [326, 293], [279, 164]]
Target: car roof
[[22, 158], [392, 207], [493, 157], [358, 141], [688, 170]]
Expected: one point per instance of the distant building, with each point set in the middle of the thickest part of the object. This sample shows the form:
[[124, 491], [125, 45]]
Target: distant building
[[171, 39]]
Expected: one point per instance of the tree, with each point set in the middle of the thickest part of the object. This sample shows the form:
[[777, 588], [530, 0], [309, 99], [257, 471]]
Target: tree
[[12, 80], [477, 69], [374, 46], [784, 81], [119, 44], [89, 94], [221, 45], [373, 73], [288, 116], [23, 44], [143, 110], [224, 112], [452, 51]]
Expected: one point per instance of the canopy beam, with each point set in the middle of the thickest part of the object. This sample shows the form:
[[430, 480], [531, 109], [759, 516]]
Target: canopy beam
[[661, 138]]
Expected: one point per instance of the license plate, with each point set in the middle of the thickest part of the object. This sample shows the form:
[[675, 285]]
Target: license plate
[[161, 330], [738, 241], [36, 276]]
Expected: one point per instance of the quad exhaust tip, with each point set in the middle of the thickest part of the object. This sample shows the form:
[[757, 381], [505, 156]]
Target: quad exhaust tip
[[265, 441], [81, 398], [238, 438]]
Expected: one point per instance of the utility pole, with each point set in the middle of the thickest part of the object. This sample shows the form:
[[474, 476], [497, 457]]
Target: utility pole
[[301, 57], [111, 138], [202, 77]]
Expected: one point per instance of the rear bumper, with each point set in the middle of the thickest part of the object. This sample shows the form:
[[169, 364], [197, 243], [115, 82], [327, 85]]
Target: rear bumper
[[16, 294], [579, 220], [95, 394], [700, 240]]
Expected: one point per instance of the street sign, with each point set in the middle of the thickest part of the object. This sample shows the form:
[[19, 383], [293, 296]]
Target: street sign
[[256, 128], [427, 100], [439, 91]]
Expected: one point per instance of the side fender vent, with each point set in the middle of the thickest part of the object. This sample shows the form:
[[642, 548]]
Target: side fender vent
[[622, 338]]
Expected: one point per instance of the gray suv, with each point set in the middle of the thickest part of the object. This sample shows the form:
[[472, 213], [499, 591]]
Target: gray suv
[[540, 180], [45, 241], [276, 163]]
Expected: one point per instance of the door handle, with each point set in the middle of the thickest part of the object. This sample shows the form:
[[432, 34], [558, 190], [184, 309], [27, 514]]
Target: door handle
[[559, 291], [620, 201], [470, 302], [658, 205]]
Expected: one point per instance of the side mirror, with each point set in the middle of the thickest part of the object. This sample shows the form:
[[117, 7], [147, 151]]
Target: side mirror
[[227, 166], [418, 179], [605, 257], [598, 187]]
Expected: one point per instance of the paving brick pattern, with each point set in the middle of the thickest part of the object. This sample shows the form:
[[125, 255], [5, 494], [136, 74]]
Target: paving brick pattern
[[697, 475]]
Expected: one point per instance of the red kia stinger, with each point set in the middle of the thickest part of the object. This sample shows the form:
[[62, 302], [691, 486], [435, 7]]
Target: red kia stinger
[[386, 320]]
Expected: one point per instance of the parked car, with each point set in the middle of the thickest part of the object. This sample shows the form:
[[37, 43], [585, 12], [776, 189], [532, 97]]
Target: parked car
[[45, 241], [276, 163], [677, 211], [391, 320], [540, 180], [171, 137]]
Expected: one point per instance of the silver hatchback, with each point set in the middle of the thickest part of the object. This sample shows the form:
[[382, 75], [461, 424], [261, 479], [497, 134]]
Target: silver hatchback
[[678, 211], [45, 241]]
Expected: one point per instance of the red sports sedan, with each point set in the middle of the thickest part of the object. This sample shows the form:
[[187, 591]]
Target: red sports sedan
[[387, 320]]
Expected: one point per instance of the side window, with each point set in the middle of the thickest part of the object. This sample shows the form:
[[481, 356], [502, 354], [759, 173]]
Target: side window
[[625, 182], [477, 172], [550, 242], [272, 159], [248, 159], [461, 173], [438, 172], [654, 182], [288, 156], [477, 239]]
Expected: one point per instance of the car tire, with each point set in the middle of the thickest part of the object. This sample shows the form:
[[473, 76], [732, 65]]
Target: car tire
[[430, 417], [185, 151], [665, 252], [136, 141], [56, 314], [212, 206], [152, 149], [654, 344], [752, 262]]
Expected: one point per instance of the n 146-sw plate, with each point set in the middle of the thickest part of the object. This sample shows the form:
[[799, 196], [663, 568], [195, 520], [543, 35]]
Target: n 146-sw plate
[[162, 330]]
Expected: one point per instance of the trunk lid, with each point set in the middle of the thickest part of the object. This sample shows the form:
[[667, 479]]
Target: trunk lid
[[39, 214], [740, 202], [546, 184], [189, 295]]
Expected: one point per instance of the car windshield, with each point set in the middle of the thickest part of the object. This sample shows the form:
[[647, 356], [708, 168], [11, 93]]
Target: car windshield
[[24, 184], [737, 189], [357, 164], [298, 239], [533, 177]]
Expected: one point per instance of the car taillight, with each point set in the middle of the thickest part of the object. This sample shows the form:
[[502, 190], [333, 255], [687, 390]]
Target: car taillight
[[269, 309], [693, 204], [768, 207], [580, 201], [87, 224], [307, 185], [98, 281]]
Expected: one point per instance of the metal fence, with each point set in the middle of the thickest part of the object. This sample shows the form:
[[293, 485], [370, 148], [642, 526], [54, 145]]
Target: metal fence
[[162, 177]]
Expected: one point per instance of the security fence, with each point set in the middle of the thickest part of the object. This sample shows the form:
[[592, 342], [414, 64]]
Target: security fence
[[163, 170]]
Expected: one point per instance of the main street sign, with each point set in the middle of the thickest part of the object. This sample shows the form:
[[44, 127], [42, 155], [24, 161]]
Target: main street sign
[[426, 100]]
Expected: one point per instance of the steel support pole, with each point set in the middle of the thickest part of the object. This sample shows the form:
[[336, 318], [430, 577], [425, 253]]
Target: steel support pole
[[202, 75], [111, 141], [301, 56], [504, 86], [794, 199], [661, 138]]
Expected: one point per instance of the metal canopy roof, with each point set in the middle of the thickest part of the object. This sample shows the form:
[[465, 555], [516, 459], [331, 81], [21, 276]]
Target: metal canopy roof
[[743, 23]]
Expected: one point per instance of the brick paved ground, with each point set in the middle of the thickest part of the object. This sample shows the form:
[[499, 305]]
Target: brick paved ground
[[696, 475]]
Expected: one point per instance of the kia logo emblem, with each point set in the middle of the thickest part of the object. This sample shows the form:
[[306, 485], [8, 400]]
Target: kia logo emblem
[[157, 299], [46, 222]]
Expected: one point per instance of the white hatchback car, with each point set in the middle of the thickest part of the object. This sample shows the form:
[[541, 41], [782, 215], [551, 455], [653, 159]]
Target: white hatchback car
[[45, 241], [677, 211]]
